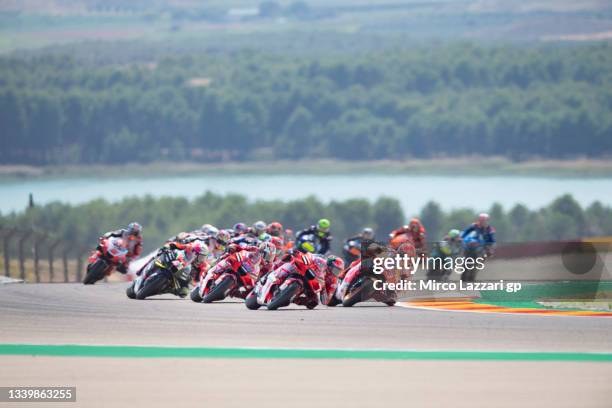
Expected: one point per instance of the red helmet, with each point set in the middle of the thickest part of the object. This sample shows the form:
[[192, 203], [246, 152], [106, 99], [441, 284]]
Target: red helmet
[[415, 222], [275, 229]]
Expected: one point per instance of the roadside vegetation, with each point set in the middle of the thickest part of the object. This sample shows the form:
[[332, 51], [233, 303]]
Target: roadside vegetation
[[164, 217], [446, 101]]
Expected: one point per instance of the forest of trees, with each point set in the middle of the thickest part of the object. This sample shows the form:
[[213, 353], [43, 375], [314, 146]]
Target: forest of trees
[[164, 217], [441, 101]]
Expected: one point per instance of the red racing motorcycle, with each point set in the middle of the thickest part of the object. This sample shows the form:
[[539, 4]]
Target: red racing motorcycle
[[232, 276], [110, 254], [299, 281]]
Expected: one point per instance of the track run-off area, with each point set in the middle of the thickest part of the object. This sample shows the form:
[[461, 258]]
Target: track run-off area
[[166, 351]]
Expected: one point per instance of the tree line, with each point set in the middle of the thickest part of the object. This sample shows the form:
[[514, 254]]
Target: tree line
[[162, 218], [441, 101]]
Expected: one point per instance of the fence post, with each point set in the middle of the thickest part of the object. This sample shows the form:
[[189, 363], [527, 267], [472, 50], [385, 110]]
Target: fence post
[[52, 247], [65, 262], [6, 248], [22, 240], [37, 241]]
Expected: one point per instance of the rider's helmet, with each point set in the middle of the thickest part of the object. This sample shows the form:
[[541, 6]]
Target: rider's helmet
[[223, 237], [259, 228], [289, 233], [275, 229], [209, 229], [453, 234], [240, 228], [415, 224], [268, 251], [181, 237], [335, 264], [212, 232], [483, 220], [367, 233], [200, 250], [134, 229], [323, 225]]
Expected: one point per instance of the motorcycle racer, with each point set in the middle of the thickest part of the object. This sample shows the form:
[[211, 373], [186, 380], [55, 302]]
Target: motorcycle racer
[[484, 230], [240, 228], [321, 233], [415, 231], [132, 239], [352, 246], [275, 229]]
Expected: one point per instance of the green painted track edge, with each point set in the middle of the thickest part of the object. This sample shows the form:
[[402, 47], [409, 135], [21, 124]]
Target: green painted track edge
[[76, 350]]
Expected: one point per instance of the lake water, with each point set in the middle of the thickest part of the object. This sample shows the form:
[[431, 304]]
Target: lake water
[[412, 191]]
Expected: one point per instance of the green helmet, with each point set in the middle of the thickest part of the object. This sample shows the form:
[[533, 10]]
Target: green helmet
[[454, 233], [323, 224]]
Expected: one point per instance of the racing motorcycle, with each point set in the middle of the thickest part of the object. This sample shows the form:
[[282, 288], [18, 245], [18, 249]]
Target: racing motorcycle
[[440, 252], [358, 286], [233, 276], [299, 281], [351, 250], [474, 246], [111, 253], [162, 274]]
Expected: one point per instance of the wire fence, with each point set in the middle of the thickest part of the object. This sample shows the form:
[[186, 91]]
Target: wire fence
[[39, 256]]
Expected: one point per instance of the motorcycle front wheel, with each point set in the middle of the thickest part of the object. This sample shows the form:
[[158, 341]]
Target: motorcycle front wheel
[[251, 301], [218, 292], [195, 295], [95, 272], [130, 291], [357, 293], [154, 285], [283, 298]]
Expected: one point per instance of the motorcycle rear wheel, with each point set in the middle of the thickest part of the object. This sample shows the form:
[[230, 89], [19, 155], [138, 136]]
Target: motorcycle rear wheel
[[283, 298], [218, 291]]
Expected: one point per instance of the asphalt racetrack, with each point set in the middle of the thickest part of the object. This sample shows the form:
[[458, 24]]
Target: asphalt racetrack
[[101, 315]]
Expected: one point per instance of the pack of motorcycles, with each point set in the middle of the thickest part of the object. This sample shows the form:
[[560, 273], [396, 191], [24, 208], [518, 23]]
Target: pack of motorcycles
[[301, 280]]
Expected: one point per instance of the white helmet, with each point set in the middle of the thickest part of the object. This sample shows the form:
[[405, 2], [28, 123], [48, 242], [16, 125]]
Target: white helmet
[[260, 227]]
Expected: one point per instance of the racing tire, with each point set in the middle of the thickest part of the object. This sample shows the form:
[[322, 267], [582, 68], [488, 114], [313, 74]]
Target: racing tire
[[130, 292], [251, 301], [218, 292], [333, 302], [195, 295], [357, 294], [284, 298], [152, 286]]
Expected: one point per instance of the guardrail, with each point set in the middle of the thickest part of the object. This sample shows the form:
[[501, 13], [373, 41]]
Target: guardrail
[[24, 251]]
